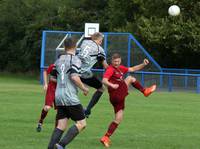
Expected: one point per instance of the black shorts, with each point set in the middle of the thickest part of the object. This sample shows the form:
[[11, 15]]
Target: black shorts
[[74, 112], [92, 82]]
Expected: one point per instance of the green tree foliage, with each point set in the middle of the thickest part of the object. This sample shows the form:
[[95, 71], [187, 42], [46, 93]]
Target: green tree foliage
[[22, 22], [173, 41]]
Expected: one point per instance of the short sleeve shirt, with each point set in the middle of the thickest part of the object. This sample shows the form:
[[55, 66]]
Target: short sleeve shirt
[[89, 53], [52, 70], [66, 91], [113, 73]]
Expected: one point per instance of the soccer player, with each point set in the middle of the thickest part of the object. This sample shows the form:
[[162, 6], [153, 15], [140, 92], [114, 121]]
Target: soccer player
[[50, 93], [66, 97], [118, 90], [90, 53]]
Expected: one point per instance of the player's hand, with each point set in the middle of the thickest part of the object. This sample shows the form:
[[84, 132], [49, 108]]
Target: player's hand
[[115, 86], [85, 91], [146, 62], [45, 87]]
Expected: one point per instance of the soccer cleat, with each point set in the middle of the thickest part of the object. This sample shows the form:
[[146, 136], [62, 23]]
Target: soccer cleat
[[57, 146], [87, 113], [105, 141], [39, 127], [149, 90]]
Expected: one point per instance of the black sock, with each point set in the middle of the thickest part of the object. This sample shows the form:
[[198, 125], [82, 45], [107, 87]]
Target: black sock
[[55, 138], [70, 135], [95, 98]]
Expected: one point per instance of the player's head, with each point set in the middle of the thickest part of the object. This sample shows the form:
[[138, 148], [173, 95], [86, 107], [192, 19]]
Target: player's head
[[70, 44], [116, 60], [97, 37]]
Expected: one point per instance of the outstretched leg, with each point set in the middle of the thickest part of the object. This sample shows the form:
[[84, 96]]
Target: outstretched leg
[[97, 84], [95, 98], [136, 84]]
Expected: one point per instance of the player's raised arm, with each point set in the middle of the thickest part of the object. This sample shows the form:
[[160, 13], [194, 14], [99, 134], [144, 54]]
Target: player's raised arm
[[138, 67]]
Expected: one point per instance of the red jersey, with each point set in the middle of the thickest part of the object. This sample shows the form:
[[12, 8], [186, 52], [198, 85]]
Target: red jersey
[[50, 68], [115, 74], [52, 71]]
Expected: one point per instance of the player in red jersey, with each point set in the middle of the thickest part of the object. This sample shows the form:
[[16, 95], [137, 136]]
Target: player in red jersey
[[50, 88], [118, 90]]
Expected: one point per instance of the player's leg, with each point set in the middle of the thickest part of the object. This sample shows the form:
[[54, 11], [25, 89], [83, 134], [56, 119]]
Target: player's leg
[[95, 83], [105, 140], [49, 101], [43, 115], [118, 108], [76, 114], [136, 84], [114, 124], [62, 117]]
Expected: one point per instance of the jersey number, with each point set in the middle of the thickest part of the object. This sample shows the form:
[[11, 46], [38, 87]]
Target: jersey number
[[85, 51], [62, 68]]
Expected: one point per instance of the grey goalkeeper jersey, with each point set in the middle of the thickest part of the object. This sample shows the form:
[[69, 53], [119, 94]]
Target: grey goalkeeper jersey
[[66, 91], [89, 53]]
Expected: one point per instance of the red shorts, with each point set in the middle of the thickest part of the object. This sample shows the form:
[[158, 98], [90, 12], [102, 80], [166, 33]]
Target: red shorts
[[50, 94], [117, 96]]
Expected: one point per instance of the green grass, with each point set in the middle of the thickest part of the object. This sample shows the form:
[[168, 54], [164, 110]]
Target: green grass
[[161, 121]]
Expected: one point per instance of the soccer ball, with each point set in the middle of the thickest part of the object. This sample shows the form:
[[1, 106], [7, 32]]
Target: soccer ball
[[174, 10]]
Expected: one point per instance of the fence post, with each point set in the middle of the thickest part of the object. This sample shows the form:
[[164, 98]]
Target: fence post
[[105, 42], [186, 79], [129, 52], [161, 80], [198, 85], [41, 75], [42, 59], [142, 79], [170, 85]]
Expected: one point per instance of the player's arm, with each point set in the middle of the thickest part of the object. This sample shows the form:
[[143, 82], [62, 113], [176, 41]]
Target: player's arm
[[45, 80], [138, 67], [102, 57], [76, 79], [109, 84], [107, 75], [74, 73], [105, 64]]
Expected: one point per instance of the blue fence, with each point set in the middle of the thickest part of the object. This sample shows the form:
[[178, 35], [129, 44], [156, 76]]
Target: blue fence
[[167, 81], [132, 54]]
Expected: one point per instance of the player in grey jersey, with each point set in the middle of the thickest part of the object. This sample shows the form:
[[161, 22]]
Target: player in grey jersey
[[90, 53], [66, 97]]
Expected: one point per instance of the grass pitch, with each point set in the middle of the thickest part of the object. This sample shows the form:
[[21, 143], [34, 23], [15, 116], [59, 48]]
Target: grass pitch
[[162, 121]]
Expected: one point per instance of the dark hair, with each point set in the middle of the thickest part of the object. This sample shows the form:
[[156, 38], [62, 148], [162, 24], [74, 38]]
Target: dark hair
[[69, 43], [97, 36], [116, 55]]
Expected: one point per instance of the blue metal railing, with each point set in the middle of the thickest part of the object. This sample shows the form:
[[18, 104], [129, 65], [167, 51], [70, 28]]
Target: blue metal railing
[[170, 73], [181, 70], [171, 79]]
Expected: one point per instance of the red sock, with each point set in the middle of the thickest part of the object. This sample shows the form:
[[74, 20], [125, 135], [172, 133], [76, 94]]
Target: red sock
[[138, 86], [113, 126], [43, 115]]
